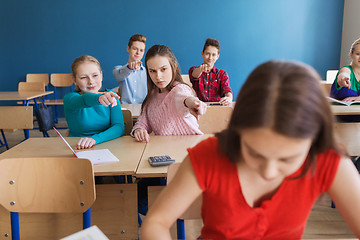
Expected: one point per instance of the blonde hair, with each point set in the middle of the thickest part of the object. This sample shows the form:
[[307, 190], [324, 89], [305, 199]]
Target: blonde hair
[[80, 60], [353, 46]]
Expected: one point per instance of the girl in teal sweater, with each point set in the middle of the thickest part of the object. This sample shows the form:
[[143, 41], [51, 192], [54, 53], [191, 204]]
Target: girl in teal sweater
[[95, 116]]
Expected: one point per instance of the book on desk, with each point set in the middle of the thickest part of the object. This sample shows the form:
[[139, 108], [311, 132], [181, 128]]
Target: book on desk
[[340, 102]]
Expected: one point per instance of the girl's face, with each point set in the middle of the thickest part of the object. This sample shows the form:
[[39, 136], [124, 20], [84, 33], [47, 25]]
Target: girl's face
[[88, 77], [160, 71], [355, 56], [271, 155]]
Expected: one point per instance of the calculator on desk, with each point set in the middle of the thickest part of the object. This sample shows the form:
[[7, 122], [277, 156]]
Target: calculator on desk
[[160, 160]]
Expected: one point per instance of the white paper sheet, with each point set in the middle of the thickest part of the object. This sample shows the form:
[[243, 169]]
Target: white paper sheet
[[91, 233], [98, 156]]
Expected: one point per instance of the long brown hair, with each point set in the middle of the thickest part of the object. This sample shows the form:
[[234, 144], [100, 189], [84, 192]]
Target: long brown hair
[[286, 97], [164, 51]]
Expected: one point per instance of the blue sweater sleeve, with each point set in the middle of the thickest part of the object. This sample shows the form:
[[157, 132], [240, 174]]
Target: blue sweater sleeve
[[75, 100], [80, 105], [341, 93], [117, 125]]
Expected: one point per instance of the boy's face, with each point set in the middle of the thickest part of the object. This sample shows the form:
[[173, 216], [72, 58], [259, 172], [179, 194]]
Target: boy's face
[[210, 55], [136, 51]]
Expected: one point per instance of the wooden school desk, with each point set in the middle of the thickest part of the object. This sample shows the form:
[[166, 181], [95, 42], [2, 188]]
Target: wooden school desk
[[174, 146], [345, 110], [22, 96], [115, 208]]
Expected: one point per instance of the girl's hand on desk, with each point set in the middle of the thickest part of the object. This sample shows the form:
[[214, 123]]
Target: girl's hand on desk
[[141, 135], [108, 98], [85, 143], [351, 99], [196, 107]]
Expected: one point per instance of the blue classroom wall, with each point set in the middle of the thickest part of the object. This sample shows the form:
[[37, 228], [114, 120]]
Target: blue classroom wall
[[42, 36]]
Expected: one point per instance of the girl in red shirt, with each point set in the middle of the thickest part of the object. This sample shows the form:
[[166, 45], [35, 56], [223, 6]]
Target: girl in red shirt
[[260, 177]]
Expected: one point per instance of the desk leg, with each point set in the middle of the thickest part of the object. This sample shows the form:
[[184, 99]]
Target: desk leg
[[26, 131]]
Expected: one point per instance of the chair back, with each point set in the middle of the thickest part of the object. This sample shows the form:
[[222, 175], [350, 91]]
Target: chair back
[[61, 79], [330, 75], [194, 211], [31, 87], [38, 77], [16, 117], [348, 135], [186, 79], [326, 87], [215, 119], [128, 121], [46, 185]]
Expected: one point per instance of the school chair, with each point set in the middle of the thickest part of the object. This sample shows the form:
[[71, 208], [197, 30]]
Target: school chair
[[348, 135], [117, 90], [15, 117], [192, 214], [128, 121], [215, 119], [60, 81], [46, 185], [39, 77], [30, 87], [186, 79], [330, 76], [326, 87]]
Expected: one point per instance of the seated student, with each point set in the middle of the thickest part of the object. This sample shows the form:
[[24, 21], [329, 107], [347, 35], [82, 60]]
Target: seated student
[[132, 76], [346, 86], [170, 107], [95, 116], [260, 177], [211, 84]]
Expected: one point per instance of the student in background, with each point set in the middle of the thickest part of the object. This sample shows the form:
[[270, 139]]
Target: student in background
[[346, 86], [211, 84], [260, 177], [93, 115], [132, 76], [170, 107]]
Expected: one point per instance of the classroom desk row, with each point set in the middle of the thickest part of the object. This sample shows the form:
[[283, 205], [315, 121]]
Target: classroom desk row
[[336, 109], [115, 208]]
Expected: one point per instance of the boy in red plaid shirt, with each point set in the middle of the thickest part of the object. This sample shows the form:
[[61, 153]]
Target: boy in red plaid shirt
[[211, 84]]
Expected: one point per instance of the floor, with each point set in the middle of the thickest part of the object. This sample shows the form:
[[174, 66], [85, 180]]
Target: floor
[[324, 222]]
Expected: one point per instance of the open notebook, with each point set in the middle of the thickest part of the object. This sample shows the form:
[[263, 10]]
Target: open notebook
[[339, 102], [95, 156]]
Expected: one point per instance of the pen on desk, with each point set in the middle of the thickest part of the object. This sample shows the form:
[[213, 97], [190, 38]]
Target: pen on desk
[[57, 132]]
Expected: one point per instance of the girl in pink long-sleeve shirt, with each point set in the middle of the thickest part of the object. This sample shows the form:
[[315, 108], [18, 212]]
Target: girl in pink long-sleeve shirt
[[170, 107]]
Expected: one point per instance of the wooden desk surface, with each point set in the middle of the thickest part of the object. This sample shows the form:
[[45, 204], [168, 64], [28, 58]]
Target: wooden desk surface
[[174, 146], [345, 110], [125, 148], [16, 96]]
